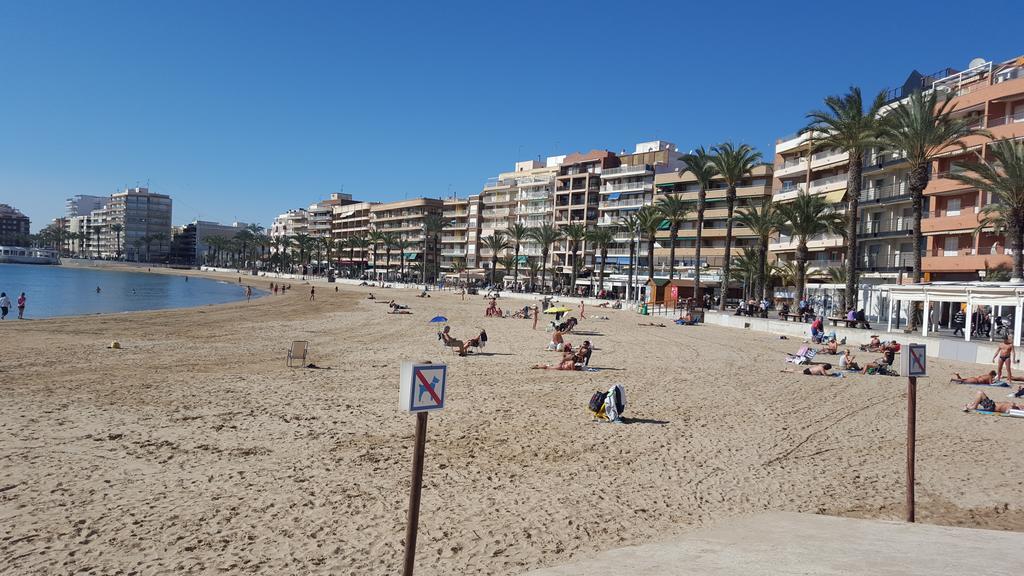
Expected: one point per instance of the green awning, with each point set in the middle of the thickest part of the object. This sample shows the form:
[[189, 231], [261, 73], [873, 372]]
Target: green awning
[[523, 259], [412, 256], [664, 225]]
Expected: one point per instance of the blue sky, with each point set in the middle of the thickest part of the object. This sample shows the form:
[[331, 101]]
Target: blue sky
[[241, 110]]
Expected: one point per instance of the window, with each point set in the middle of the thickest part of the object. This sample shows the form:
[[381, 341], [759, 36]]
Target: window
[[953, 207]]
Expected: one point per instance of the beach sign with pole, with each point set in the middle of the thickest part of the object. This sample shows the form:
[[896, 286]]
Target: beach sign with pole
[[421, 390], [912, 365]]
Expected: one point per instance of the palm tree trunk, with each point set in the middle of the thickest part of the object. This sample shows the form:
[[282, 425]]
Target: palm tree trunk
[[730, 197], [852, 204], [916, 183], [763, 268], [650, 259], [701, 201], [1015, 233], [632, 254], [801, 268], [515, 275], [494, 266], [600, 276], [543, 269], [673, 230], [575, 259]]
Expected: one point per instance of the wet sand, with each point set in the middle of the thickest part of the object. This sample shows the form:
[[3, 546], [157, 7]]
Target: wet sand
[[195, 450]]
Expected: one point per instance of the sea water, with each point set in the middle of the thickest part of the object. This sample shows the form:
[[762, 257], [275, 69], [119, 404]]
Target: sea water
[[67, 291]]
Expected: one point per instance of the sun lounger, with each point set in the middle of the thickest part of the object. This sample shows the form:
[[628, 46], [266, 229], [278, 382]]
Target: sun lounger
[[298, 351], [803, 356]]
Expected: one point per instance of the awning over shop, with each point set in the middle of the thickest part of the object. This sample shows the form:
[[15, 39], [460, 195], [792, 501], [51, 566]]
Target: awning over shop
[[413, 256], [614, 196], [523, 259]]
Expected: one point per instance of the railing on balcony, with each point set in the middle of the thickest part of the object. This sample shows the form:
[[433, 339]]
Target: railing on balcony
[[453, 238], [626, 186], [632, 169], [885, 226], [889, 191], [498, 199], [453, 252], [535, 181], [951, 253], [499, 183], [880, 159], [1009, 119], [627, 203], [830, 155], [793, 163], [498, 213], [828, 181], [455, 213], [885, 261], [525, 196]]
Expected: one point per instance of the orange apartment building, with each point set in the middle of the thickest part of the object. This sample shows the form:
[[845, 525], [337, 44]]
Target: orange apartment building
[[577, 199]]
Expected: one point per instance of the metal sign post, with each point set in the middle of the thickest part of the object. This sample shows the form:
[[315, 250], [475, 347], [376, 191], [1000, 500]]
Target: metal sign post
[[421, 390], [912, 364]]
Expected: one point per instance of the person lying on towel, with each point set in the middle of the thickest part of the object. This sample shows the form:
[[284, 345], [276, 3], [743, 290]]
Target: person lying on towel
[[986, 404], [983, 379]]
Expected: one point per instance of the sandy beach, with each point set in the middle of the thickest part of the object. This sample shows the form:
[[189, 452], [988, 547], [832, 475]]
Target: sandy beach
[[195, 450]]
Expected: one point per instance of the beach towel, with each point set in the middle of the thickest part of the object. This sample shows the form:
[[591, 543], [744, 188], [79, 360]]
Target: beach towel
[[803, 356], [995, 384], [1011, 413]]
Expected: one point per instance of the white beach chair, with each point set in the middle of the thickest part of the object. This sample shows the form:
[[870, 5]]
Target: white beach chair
[[299, 351], [803, 356]]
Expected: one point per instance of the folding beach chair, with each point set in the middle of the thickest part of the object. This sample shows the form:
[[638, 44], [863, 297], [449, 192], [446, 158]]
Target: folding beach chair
[[803, 356], [299, 351]]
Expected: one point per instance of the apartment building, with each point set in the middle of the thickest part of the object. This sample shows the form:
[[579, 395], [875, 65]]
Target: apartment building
[[352, 221], [577, 198], [14, 225], [144, 219], [991, 95], [405, 219], [290, 223], [83, 204], [751, 192], [798, 168], [626, 189], [320, 215], [455, 236], [190, 242]]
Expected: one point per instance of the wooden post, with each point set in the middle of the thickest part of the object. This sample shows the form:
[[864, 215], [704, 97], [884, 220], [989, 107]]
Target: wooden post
[[412, 524], [911, 441]]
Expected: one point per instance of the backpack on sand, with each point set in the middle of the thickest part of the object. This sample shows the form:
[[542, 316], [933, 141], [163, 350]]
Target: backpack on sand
[[612, 403]]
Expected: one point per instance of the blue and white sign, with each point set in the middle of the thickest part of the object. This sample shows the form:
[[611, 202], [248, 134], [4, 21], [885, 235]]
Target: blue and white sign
[[422, 387], [912, 361]]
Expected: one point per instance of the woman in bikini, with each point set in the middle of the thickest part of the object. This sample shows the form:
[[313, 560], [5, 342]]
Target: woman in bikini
[[568, 363]]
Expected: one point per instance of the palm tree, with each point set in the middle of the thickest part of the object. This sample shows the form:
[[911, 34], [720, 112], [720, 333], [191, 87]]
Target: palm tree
[[389, 240], [403, 245], [733, 163], [786, 271], [921, 127], [649, 220], [508, 263], [601, 238], [746, 268], [631, 224], [846, 126], [96, 230], [433, 226], [495, 243], [675, 211], [374, 239], [546, 235], [361, 244], [763, 221], [1003, 179], [805, 217], [517, 234], [117, 228], [533, 268], [576, 234], [138, 243], [458, 267]]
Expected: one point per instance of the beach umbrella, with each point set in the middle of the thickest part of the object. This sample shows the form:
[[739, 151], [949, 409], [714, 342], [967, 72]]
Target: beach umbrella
[[557, 310], [437, 319]]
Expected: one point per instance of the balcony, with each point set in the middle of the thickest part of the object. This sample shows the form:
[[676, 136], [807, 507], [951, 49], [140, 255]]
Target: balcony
[[498, 199], [791, 167], [829, 184], [453, 239], [886, 262], [962, 260], [787, 143], [624, 204], [786, 243], [1004, 120], [455, 213], [788, 193], [453, 253], [544, 209], [456, 226], [627, 187], [525, 196], [877, 160], [627, 170], [532, 181], [499, 184], [891, 227], [944, 221], [497, 213], [828, 157], [885, 194]]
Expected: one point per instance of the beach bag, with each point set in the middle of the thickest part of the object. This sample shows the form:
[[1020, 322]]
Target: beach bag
[[615, 403], [597, 401]]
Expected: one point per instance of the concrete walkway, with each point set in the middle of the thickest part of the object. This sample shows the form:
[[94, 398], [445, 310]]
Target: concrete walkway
[[787, 543]]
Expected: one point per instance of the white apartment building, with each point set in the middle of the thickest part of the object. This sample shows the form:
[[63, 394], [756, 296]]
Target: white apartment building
[[290, 223]]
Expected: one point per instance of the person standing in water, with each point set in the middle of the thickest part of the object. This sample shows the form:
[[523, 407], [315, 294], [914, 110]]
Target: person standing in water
[[248, 293], [21, 306], [97, 289], [5, 305]]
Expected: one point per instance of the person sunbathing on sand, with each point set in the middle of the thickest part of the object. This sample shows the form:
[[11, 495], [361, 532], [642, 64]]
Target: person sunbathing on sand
[[983, 379], [370, 296], [652, 324], [873, 346], [832, 347], [986, 404], [814, 370], [557, 341], [568, 363]]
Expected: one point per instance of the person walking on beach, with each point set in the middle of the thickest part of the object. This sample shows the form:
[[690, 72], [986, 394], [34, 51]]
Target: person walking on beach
[[536, 313], [312, 293], [248, 293], [1006, 354], [5, 305], [21, 306], [581, 310]]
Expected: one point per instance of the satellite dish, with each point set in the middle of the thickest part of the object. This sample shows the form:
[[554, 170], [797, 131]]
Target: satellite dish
[[976, 62]]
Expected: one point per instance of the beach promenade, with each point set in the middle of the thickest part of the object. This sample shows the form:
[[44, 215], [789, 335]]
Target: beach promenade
[[195, 450]]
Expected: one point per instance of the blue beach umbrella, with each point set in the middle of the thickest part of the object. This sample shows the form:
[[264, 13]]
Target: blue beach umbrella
[[437, 319]]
